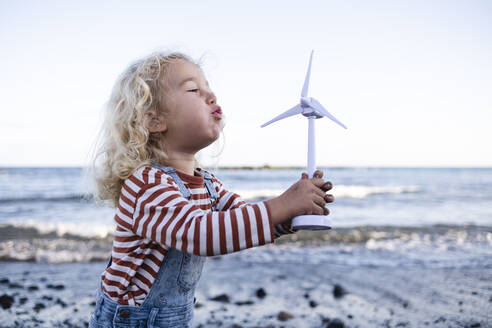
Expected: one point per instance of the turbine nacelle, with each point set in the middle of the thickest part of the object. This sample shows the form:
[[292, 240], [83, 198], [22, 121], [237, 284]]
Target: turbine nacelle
[[305, 102]]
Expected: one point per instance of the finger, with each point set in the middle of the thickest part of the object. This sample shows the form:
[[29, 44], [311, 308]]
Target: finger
[[327, 186], [320, 204], [318, 174], [329, 198], [304, 175], [327, 211], [318, 182]]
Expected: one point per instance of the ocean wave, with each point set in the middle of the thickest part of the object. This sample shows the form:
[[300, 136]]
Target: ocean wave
[[340, 191], [44, 230], [46, 198], [30, 244]]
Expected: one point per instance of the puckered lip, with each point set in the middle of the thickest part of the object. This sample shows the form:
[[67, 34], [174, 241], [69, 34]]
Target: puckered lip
[[217, 112]]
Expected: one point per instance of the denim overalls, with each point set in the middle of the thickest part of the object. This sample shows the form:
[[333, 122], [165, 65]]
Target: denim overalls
[[170, 301]]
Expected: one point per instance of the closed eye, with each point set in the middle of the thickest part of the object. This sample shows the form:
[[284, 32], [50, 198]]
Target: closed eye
[[193, 90]]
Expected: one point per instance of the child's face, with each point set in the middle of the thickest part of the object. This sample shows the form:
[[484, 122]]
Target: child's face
[[194, 119]]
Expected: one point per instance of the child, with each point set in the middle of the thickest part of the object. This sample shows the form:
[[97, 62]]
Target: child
[[171, 214]]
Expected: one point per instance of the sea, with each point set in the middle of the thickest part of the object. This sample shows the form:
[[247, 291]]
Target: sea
[[382, 216]]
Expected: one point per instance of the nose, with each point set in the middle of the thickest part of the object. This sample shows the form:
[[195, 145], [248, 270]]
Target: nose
[[211, 99]]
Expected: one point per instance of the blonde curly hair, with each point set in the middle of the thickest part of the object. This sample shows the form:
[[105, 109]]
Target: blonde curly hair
[[124, 142]]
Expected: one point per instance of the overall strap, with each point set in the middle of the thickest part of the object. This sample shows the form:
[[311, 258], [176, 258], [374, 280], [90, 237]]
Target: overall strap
[[170, 171], [214, 196]]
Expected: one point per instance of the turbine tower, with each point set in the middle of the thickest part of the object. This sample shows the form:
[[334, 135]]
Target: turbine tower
[[312, 109]]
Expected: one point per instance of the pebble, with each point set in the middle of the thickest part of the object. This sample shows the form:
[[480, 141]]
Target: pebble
[[38, 307], [313, 304], [4, 281], [260, 293], [338, 291], [244, 303], [221, 298], [335, 323], [61, 303], [6, 301], [32, 288], [56, 287], [15, 285], [284, 316]]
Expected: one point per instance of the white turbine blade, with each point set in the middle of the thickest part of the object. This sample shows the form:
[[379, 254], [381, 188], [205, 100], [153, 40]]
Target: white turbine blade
[[317, 106], [293, 111], [308, 75]]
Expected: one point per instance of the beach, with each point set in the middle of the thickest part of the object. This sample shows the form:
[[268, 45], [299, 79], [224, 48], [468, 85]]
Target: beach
[[294, 283], [408, 248]]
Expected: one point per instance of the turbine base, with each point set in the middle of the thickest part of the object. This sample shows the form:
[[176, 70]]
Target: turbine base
[[311, 222]]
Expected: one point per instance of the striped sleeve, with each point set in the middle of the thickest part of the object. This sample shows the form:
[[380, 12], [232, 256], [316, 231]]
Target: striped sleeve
[[230, 200], [162, 214]]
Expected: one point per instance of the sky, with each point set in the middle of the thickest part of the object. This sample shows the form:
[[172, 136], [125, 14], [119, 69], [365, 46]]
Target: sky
[[412, 80]]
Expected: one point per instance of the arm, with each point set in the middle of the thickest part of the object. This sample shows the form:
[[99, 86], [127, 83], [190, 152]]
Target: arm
[[162, 214], [229, 200]]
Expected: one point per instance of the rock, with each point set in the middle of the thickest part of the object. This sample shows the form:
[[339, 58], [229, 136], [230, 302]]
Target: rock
[[38, 307], [260, 293], [198, 305], [244, 303], [306, 295], [32, 288], [405, 304], [56, 287], [15, 285], [338, 291], [4, 281], [61, 303], [350, 316], [475, 325], [313, 304], [23, 300], [440, 319], [221, 298], [236, 326], [284, 316], [47, 298], [335, 323], [6, 301]]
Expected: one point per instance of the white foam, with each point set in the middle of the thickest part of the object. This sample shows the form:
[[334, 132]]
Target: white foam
[[85, 229], [340, 191]]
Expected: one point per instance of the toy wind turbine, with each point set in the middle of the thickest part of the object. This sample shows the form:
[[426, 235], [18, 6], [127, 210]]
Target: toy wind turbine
[[312, 109]]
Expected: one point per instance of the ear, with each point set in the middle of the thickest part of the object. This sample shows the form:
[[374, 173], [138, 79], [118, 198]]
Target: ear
[[154, 122]]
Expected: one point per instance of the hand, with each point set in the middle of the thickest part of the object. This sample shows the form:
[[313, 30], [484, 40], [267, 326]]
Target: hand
[[326, 187], [306, 196]]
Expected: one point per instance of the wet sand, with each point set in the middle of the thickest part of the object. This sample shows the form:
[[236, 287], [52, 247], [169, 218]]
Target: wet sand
[[237, 291]]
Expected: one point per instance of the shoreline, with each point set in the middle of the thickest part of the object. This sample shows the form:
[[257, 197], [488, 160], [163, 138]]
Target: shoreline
[[260, 287]]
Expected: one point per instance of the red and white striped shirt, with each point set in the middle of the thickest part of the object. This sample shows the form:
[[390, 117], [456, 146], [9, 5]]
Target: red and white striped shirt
[[153, 216]]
